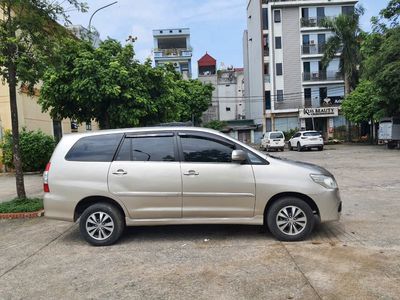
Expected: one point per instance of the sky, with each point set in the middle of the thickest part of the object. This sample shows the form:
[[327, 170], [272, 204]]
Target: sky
[[216, 25]]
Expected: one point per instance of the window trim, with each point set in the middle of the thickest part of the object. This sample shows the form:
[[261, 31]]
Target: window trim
[[94, 135], [133, 135]]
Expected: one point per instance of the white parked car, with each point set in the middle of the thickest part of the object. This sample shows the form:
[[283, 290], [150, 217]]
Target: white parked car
[[273, 140], [306, 140]]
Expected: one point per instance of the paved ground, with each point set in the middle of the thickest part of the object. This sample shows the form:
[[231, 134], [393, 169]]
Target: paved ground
[[33, 186], [357, 258]]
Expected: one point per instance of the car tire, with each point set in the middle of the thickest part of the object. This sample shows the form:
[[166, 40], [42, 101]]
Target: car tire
[[320, 148], [101, 224], [290, 147], [282, 149], [298, 147], [284, 229]]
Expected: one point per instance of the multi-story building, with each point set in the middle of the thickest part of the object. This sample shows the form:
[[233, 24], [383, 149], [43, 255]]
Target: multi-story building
[[283, 48], [228, 102], [173, 46]]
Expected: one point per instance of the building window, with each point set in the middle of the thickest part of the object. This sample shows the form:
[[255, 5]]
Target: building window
[[304, 13], [279, 95], [88, 126], [347, 10], [277, 16], [74, 126], [279, 70], [278, 42], [265, 18], [307, 97], [267, 100], [228, 109], [266, 45]]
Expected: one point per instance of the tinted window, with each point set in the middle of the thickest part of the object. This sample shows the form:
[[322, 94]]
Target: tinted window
[[255, 160], [95, 148], [276, 135], [147, 149], [312, 133], [199, 149], [297, 134]]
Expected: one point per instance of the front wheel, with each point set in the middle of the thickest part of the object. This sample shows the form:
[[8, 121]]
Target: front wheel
[[101, 224], [290, 219]]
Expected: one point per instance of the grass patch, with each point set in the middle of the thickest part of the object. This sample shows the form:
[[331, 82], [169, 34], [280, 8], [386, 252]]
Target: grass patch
[[21, 205]]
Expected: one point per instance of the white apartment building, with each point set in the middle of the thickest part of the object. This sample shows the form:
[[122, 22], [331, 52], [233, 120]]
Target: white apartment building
[[283, 48], [173, 46]]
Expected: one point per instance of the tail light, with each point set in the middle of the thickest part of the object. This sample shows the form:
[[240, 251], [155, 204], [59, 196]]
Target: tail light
[[46, 187]]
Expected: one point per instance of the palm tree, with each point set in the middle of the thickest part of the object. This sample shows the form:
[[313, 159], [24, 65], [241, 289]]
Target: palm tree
[[345, 41]]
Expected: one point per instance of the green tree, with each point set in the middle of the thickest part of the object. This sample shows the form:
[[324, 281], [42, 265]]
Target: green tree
[[28, 33], [346, 41], [363, 104], [107, 84]]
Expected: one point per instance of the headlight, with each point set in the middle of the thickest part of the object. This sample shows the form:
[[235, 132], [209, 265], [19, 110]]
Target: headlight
[[326, 181]]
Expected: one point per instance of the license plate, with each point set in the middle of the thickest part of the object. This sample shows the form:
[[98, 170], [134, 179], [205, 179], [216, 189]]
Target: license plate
[[314, 139]]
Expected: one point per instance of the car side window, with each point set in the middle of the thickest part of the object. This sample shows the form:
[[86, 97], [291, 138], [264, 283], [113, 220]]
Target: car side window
[[97, 148], [202, 149], [152, 148]]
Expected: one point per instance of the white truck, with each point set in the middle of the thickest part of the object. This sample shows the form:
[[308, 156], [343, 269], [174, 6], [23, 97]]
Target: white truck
[[389, 132]]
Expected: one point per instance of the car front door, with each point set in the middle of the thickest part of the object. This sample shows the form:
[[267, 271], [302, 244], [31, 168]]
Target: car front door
[[214, 186], [146, 176]]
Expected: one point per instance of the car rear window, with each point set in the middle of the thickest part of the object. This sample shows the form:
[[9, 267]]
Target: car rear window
[[276, 135], [312, 133], [98, 148]]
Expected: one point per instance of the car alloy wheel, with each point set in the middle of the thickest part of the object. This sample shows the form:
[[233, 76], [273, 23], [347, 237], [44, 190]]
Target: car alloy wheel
[[291, 220], [298, 147], [102, 224], [99, 225]]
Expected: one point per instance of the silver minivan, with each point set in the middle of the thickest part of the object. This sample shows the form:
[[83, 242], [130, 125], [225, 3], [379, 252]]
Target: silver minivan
[[181, 175]]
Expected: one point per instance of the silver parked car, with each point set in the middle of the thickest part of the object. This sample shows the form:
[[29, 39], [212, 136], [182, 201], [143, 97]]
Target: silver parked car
[[181, 175]]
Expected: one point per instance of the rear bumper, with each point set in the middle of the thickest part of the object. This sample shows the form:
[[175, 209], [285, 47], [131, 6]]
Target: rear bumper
[[312, 145], [58, 208]]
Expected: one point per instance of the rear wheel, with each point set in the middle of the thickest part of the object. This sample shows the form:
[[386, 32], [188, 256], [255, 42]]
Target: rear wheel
[[101, 224], [298, 147], [290, 147], [290, 219], [321, 148]]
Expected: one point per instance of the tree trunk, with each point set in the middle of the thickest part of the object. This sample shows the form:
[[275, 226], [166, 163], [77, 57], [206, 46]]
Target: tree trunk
[[19, 175], [347, 90], [12, 85]]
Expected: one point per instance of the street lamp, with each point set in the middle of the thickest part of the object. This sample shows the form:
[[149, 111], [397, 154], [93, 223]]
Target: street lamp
[[91, 17]]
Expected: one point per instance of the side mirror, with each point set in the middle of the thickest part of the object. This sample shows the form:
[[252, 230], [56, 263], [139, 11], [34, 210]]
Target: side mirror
[[239, 155]]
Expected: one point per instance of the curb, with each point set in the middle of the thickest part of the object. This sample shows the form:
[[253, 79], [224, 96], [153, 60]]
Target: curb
[[22, 215]]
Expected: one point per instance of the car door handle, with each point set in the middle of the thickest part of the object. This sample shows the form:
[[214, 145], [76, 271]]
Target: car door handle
[[191, 173], [120, 172]]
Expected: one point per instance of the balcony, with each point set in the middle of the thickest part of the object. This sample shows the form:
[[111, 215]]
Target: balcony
[[327, 102], [287, 104], [313, 49], [322, 76], [313, 22], [170, 53]]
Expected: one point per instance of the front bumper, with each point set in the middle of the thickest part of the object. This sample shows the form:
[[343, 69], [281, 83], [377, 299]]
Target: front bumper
[[329, 205]]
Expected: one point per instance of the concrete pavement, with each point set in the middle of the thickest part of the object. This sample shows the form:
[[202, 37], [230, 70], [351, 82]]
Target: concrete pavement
[[356, 258]]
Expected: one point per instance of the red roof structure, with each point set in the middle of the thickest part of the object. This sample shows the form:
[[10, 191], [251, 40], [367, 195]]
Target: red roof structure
[[206, 60]]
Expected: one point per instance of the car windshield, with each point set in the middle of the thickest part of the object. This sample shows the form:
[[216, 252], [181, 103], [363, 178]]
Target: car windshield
[[276, 135], [312, 133]]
